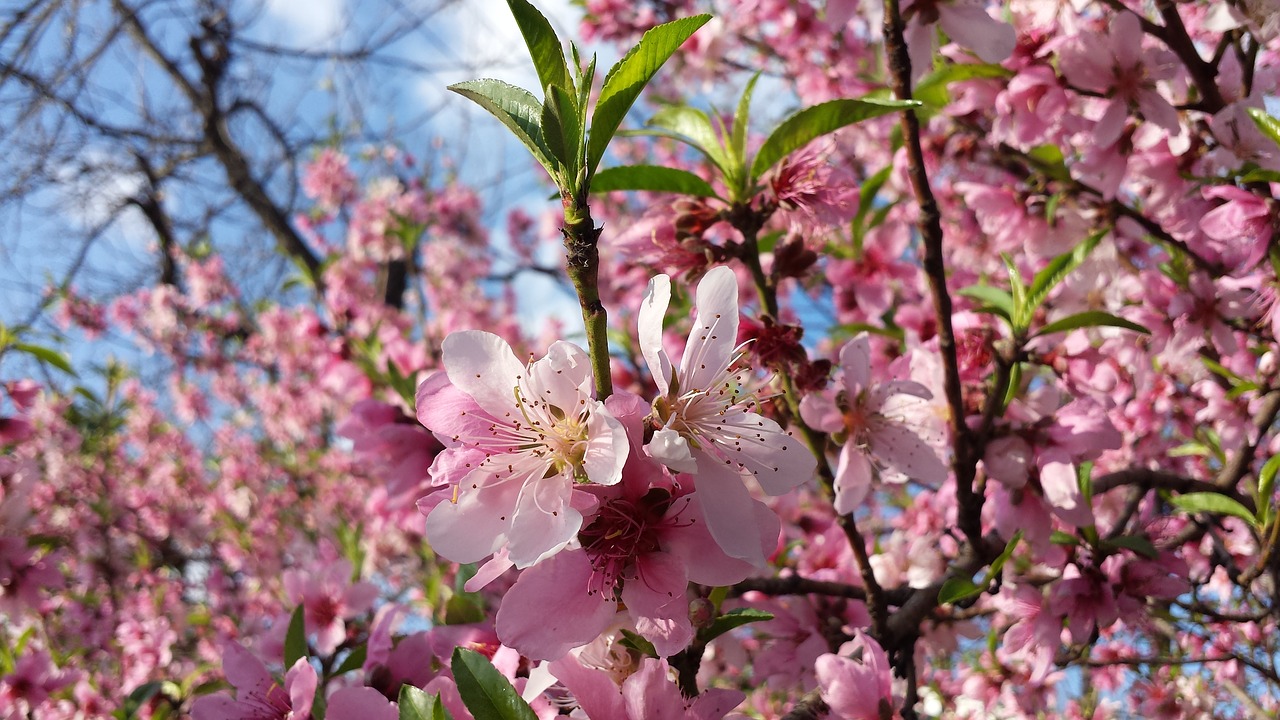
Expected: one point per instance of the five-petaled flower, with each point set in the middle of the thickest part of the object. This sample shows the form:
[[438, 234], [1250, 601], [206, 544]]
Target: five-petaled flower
[[520, 439], [704, 419]]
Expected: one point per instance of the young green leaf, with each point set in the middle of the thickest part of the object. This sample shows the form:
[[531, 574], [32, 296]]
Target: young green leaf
[[1090, 318], [48, 356], [626, 79], [813, 122], [654, 178], [295, 638], [353, 661], [1136, 543], [562, 129], [1267, 124], [418, 705], [484, 690], [1213, 503], [733, 619], [1022, 310], [1060, 267], [1266, 487], [956, 589], [997, 300], [741, 120], [517, 108], [932, 88], [694, 127], [544, 46]]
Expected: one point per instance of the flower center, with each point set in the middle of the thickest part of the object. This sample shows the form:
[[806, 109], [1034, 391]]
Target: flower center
[[623, 531]]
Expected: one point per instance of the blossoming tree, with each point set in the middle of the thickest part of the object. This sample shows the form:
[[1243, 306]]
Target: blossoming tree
[[950, 393]]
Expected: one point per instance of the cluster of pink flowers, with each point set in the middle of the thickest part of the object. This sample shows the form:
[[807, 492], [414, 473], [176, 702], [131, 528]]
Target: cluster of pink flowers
[[842, 470]]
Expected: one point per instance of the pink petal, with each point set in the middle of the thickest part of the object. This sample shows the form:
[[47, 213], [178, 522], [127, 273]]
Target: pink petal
[[970, 26], [1111, 125], [549, 611], [729, 509], [245, 672], [490, 571], [779, 461], [689, 539], [853, 478], [715, 703], [649, 694], [819, 411], [657, 602], [544, 521], [360, 703], [855, 363], [594, 689], [905, 452], [482, 365], [300, 682], [1062, 488], [649, 331], [470, 529]]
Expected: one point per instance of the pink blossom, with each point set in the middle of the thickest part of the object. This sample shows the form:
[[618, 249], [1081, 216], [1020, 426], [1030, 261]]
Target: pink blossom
[[704, 417], [964, 21], [520, 438], [878, 440], [360, 703], [328, 180], [328, 598], [649, 694], [645, 544], [1121, 68], [258, 695], [1244, 224], [856, 683]]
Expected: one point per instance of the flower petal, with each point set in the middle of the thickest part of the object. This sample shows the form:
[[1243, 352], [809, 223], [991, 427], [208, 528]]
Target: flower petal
[[729, 509], [649, 330], [853, 478], [657, 601], [483, 366], [715, 331], [549, 610]]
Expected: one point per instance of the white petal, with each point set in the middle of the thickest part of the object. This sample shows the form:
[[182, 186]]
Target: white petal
[[715, 331], [855, 363], [902, 450], [607, 446], [649, 329], [754, 443], [482, 365], [672, 449]]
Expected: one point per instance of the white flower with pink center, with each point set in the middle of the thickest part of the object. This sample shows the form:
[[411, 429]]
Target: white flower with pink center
[[705, 418], [520, 438]]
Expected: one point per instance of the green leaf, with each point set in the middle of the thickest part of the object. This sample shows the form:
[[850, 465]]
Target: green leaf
[[1091, 318], [48, 356], [998, 564], [353, 661], [1214, 503], [1266, 488], [999, 301], [544, 46], [626, 79], [1136, 543], [733, 619], [1049, 160], [638, 643], [654, 178], [741, 120], [1057, 537], [562, 130], [813, 122], [1267, 124], [1021, 315], [295, 638], [517, 108], [956, 589], [1060, 267], [694, 127], [418, 705], [932, 89], [484, 690]]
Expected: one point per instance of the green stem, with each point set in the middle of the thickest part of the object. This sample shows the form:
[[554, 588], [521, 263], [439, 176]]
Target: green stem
[[581, 240]]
